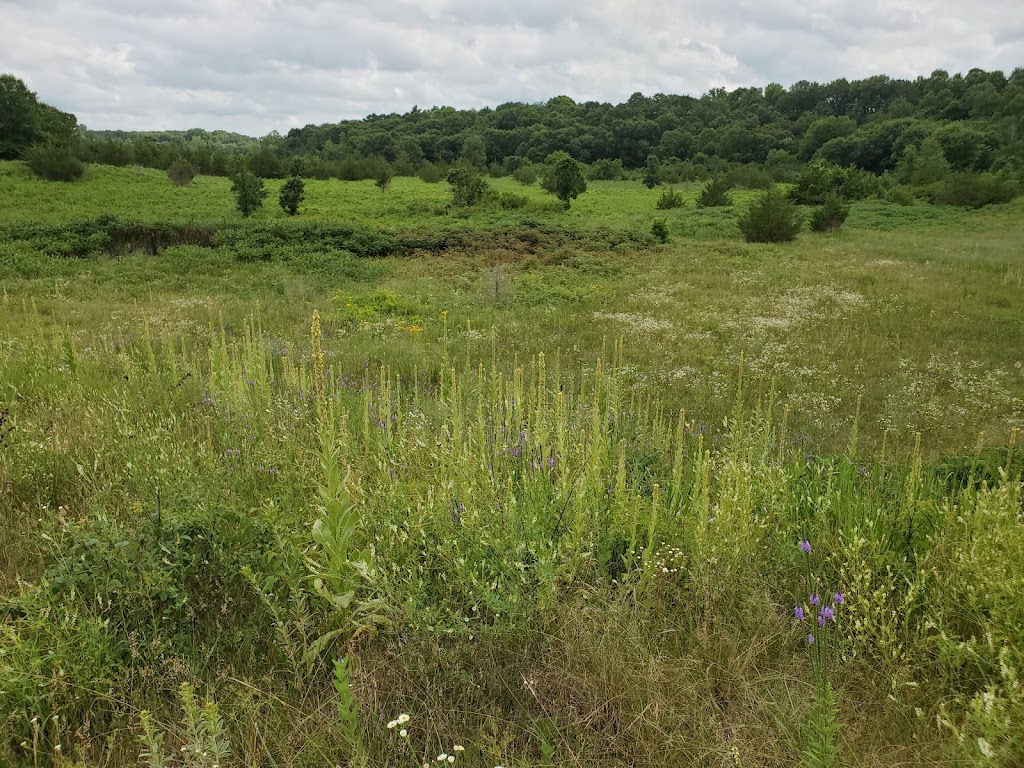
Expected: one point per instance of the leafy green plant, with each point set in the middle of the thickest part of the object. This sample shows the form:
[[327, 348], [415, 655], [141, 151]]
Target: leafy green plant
[[660, 230]]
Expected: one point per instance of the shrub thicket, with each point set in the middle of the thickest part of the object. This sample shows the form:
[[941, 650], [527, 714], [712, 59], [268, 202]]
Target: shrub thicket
[[54, 162], [973, 190]]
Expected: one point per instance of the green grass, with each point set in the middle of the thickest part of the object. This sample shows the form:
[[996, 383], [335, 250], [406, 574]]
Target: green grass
[[553, 565]]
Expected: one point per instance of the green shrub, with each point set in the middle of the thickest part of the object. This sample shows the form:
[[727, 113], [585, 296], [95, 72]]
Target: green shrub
[[715, 194], [54, 162], [670, 199], [901, 195], [750, 176], [510, 201], [293, 192], [468, 187], [181, 172], [430, 173], [774, 218], [249, 192], [830, 216], [525, 175], [819, 180], [973, 190], [659, 229]]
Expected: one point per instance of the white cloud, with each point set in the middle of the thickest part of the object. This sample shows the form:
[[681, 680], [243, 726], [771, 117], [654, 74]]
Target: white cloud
[[258, 65]]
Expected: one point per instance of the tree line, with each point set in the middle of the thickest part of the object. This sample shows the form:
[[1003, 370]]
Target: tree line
[[876, 125]]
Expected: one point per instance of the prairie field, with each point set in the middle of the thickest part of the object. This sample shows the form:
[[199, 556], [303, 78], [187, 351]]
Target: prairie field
[[557, 491]]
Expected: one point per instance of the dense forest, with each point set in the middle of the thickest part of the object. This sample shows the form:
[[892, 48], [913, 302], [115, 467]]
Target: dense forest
[[967, 123]]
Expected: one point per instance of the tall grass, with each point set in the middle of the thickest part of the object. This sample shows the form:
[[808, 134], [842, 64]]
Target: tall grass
[[542, 491]]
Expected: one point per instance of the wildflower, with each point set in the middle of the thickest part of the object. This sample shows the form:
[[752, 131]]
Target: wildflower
[[986, 748], [821, 619], [815, 600], [403, 733], [810, 639], [798, 612], [838, 598], [392, 724], [828, 613], [451, 759], [551, 461], [442, 757], [458, 748], [403, 719], [805, 545]]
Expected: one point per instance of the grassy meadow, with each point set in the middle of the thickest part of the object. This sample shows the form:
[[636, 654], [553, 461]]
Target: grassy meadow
[[539, 479]]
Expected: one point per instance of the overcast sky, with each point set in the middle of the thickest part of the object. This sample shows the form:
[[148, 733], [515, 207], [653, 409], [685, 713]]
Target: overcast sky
[[258, 65]]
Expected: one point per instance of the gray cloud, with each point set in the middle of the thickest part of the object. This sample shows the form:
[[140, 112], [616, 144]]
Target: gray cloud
[[258, 65]]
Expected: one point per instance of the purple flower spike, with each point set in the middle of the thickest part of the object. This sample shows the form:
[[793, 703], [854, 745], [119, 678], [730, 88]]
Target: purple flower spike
[[551, 461], [810, 639], [828, 613], [805, 545], [821, 619], [838, 598], [798, 612], [815, 600]]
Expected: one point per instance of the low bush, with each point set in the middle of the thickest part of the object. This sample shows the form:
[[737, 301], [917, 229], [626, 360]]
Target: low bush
[[181, 172], [715, 194], [525, 175], [54, 162], [510, 201], [973, 190], [774, 218], [659, 229], [830, 216], [670, 199]]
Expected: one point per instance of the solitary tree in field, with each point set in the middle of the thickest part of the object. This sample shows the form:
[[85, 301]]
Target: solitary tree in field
[[564, 179], [249, 192], [383, 180], [293, 192]]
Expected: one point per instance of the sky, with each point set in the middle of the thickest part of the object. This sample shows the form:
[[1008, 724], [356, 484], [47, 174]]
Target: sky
[[254, 66]]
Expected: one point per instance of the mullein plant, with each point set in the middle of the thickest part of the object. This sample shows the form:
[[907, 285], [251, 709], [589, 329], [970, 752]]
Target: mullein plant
[[818, 615]]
